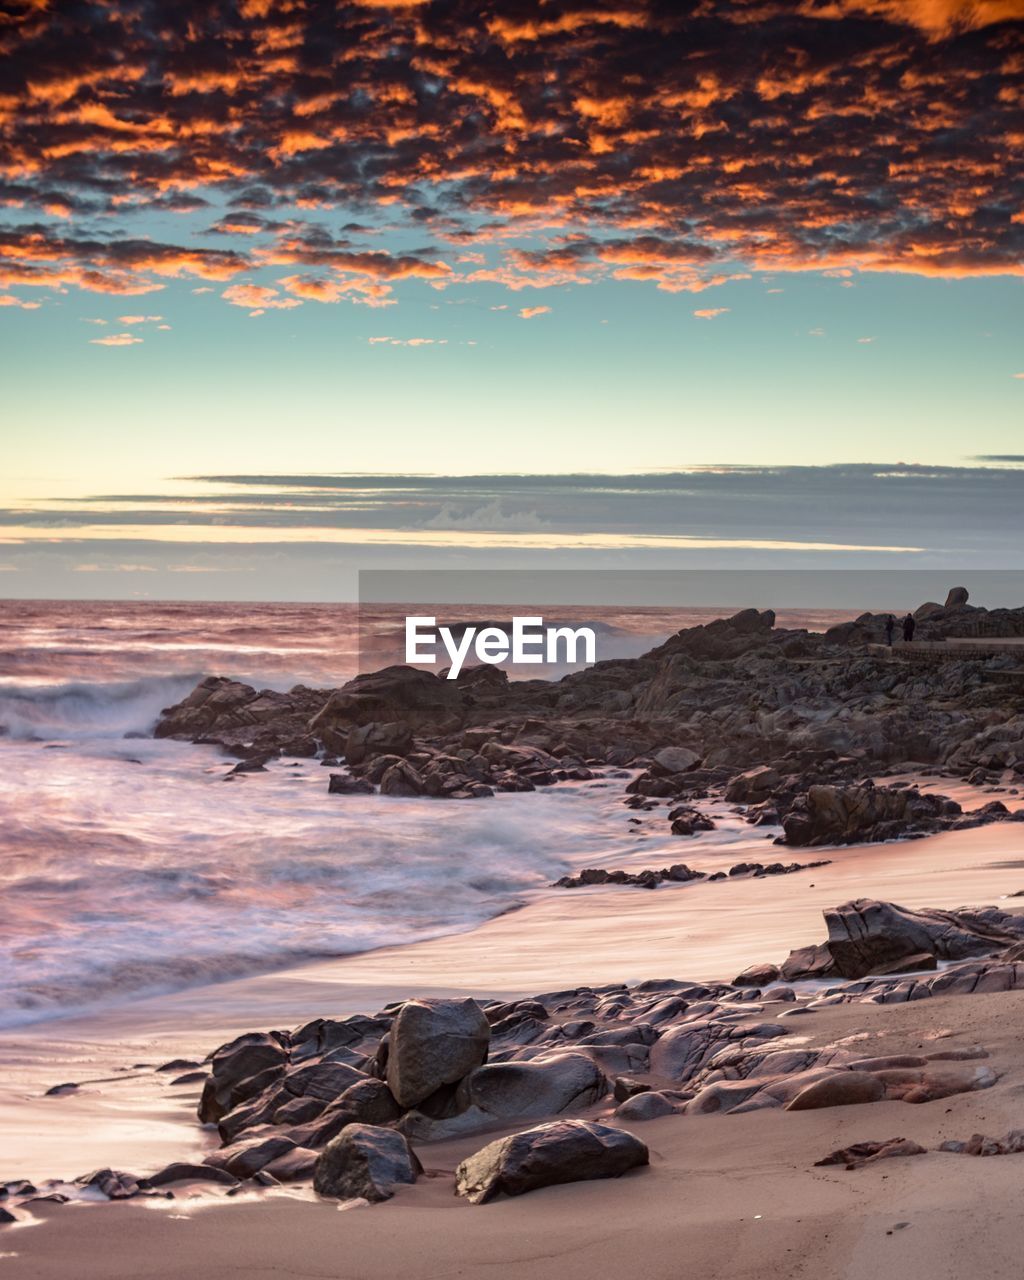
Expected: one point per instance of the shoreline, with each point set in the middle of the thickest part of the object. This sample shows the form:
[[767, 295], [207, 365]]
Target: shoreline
[[604, 935]]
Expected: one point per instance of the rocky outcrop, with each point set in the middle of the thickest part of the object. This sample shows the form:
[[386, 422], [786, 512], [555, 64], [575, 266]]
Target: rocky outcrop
[[365, 1161], [836, 815], [866, 936], [549, 1155]]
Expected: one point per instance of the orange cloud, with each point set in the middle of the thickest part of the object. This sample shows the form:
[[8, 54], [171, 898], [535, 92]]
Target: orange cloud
[[528, 313], [116, 340], [711, 313]]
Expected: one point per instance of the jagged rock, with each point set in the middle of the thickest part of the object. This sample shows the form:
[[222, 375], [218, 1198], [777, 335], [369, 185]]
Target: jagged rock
[[240, 1070], [374, 739], [551, 1154], [434, 1043], [957, 598], [112, 1183], [865, 934], [828, 814], [365, 1161]]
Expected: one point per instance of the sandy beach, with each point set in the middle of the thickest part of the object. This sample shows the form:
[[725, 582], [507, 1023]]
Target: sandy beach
[[726, 1196]]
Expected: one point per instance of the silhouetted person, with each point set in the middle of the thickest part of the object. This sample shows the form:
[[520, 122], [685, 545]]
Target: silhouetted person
[[890, 627], [909, 626]]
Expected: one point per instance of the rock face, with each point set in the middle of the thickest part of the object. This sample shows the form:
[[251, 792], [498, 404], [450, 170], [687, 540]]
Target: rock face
[[365, 1160], [866, 936], [434, 1043], [564, 1151]]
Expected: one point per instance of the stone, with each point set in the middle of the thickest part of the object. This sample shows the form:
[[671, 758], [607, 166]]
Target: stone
[[434, 1043], [182, 1171], [754, 786], [651, 1105], [758, 975], [235, 1071], [365, 1161], [842, 1089], [675, 759], [957, 598], [549, 1155], [546, 1086]]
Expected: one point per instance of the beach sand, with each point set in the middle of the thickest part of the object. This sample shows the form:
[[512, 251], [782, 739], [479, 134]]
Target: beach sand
[[728, 1196], [734, 1197]]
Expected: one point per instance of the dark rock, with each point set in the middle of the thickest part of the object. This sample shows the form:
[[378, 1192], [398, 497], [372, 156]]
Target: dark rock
[[365, 1161], [551, 1154], [182, 1171], [343, 784], [862, 1153], [434, 1043]]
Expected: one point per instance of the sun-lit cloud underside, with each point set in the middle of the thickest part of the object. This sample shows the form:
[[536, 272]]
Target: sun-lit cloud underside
[[338, 152]]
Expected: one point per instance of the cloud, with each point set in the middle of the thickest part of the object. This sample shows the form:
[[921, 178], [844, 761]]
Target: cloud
[[9, 300], [674, 145], [711, 313], [258, 298], [139, 319], [529, 313], [117, 340], [487, 518], [408, 342]]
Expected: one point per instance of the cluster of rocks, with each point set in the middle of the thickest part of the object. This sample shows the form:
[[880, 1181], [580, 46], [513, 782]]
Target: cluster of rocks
[[351, 1103], [765, 716], [680, 873]]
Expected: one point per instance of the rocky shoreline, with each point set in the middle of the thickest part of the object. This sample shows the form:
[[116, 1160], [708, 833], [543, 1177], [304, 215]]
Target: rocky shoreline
[[352, 1105], [789, 726]]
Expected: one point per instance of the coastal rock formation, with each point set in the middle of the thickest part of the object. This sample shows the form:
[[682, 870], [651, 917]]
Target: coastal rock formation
[[865, 936], [828, 814], [863, 1153], [365, 1161], [564, 1151]]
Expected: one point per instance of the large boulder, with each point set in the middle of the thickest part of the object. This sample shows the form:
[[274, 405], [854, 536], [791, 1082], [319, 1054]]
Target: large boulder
[[550, 1154], [754, 786], [434, 1043], [365, 1161], [545, 1086], [376, 739], [840, 1089]]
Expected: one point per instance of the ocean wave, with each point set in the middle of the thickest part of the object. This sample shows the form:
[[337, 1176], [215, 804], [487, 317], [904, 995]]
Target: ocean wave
[[39, 713]]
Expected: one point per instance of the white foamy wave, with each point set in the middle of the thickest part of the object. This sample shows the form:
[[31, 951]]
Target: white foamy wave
[[38, 713]]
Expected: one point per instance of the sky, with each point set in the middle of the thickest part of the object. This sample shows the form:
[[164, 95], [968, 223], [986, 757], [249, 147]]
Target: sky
[[290, 288]]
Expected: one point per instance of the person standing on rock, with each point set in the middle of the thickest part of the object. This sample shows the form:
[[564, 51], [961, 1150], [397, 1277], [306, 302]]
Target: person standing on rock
[[909, 627], [890, 627]]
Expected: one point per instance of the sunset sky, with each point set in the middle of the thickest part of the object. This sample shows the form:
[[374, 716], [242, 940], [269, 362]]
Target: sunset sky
[[678, 251]]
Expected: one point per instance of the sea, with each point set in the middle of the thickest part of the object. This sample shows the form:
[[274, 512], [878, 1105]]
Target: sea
[[131, 866]]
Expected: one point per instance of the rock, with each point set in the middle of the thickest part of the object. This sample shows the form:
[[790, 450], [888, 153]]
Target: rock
[[842, 1089], [862, 1153], [343, 784], [754, 786], [182, 1171], [551, 1154], [675, 759], [758, 975], [651, 1105], [238, 1072], [374, 739], [830, 814], [546, 1086], [365, 1161], [1011, 1143], [957, 598], [6, 1217], [434, 1043], [401, 779], [112, 1183]]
